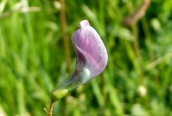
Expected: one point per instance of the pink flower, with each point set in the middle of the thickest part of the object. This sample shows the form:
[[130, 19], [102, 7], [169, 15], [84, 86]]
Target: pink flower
[[92, 59], [91, 53]]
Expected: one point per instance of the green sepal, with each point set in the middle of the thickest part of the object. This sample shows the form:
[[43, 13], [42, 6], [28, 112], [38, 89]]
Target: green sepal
[[59, 94]]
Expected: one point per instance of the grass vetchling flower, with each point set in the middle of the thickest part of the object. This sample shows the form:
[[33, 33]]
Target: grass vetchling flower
[[91, 59]]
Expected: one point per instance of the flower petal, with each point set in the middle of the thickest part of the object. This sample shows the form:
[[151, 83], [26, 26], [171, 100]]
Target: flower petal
[[90, 50]]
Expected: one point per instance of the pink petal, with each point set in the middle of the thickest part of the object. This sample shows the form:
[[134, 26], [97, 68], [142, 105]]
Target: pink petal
[[90, 50]]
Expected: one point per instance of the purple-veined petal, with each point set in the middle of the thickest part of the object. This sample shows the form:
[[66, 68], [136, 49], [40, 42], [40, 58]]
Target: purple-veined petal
[[91, 59], [90, 49]]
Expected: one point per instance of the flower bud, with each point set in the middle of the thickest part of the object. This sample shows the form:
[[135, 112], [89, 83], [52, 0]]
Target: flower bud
[[92, 59]]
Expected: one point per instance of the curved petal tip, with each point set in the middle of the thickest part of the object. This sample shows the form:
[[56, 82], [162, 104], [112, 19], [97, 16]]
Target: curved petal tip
[[84, 23]]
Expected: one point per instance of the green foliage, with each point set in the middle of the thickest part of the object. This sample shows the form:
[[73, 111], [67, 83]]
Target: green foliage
[[137, 80]]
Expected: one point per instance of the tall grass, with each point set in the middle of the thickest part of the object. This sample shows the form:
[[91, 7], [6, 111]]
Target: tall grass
[[137, 80]]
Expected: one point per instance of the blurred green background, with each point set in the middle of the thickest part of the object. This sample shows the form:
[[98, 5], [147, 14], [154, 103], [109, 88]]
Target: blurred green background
[[37, 54]]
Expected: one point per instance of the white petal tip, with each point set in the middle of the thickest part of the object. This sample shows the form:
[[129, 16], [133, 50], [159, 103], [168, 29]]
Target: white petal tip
[[84, 23]]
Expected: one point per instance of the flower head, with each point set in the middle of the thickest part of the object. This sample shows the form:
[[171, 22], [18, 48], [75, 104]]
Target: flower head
[[91, 59], [90, 50]]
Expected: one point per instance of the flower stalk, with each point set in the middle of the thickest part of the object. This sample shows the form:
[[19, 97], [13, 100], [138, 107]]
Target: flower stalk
[[92, 59]]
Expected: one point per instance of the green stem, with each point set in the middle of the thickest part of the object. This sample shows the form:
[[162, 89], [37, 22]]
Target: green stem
[[50, 113]]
